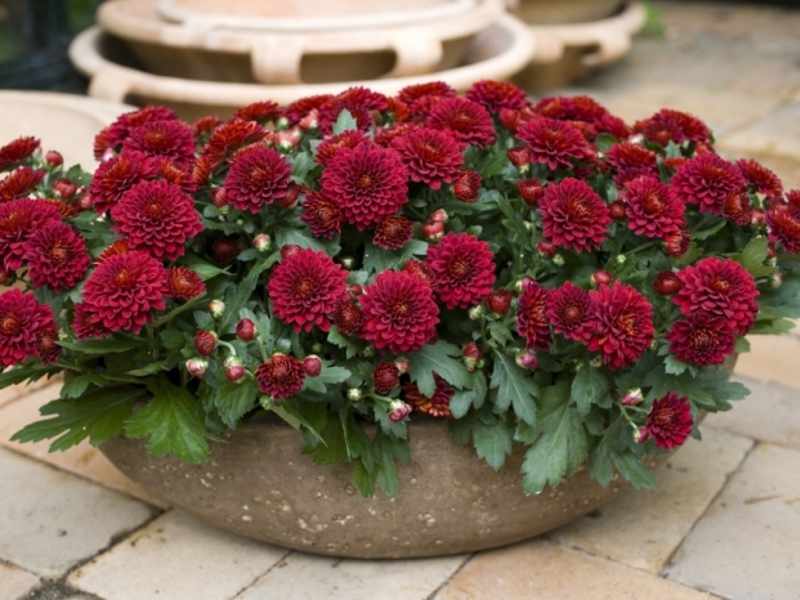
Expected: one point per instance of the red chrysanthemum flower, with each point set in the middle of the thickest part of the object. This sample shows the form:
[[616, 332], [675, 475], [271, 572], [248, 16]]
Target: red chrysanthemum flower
[[431, 157], [463, 267], [228, 138], [783, 222], [329, 147], [21, 319], [571, 312], [411, 93], [47, 348], [281, 376], [385, 135], [57, 257], [532, 321], [19, 220], [171, 139], [258, 176], [760, 178], [392, 233], [707, 180], [305, 288], [494, 95], [119, 131], [20, 183], [359, 101], [672, 125], [322, 215], [117, 175], [205, 126], [701, 339], [737, 207], [624, 327], [437, 406], [259, 111], [614, 126], [466, 121], [348, 317], [652, 209], [468, 186], [158, 218], [16, 151], [400, 314], [721, 287], [184, 283], [124, 290], [385, 377], [631, 161], [84, 325], [566, 108], [573, 215], [669, 421], [368, 183], [554, 143], [299, 109]]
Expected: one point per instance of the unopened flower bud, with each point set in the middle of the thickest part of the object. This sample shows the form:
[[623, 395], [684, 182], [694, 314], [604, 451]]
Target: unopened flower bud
[[776, 280], [282, 123], [292, 194], [290, 250], [547, 248], [348, 262], [530, 190], [476, 312], [771, 252], [403, 364], [262, 242], [519, 156], [53, 158], [216, 308], [468, 186], [522, 284], [234, 369], [368, 352], [197, 367], [385, 377], [65, 188], [354, 394], [677, 243], [311, 120], [6, 277], [205, 342], [246, 330], [219, 196], [433, 230], [621, 259], [617, 210], [527, 360], [399, 410], [667, 283], [439, 216], [499, 301], [596, 362], [355, 289], [266, 402], [632, 397], [472, 354], [558, 260], [640, 435], [312, 365], [601, 277], [758, 217], [316, 348], [283, 346]]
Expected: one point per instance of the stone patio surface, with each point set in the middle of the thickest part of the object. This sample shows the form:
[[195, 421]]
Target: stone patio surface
[[725, 522]]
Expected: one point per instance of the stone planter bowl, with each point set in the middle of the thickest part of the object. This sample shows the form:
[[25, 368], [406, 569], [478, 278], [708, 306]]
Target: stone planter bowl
[[548, 12], [496, 53], [260, 485], [304, 48]]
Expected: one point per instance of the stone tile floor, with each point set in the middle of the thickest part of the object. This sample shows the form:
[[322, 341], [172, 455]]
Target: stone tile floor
[[725, 522]]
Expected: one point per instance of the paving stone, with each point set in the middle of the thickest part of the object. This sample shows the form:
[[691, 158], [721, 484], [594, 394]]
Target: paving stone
[[643, 528], [303, 576], [176, 556], [771, 358], [778, 133], [542, 570], [83, 459], [53, 520], [771, 413], [16, 584], [747, 546], [19, 390]]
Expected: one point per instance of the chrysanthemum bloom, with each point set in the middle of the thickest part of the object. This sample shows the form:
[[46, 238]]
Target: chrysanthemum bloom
[[172, 173], [466, 121], [184, 283], [400, 314], [300, 108], [571, 312], [398, 110], [468, 186], [721, 287], [21, 318], [19, 220], [421, 270], [570, 108], [707, 180], [367, 182], [205, 126], [701, 339], [123, 292], [385, 135], [17, 150], [348, 317], [47, 348], [392, 233], [360, 102], [230, 137], [170, 139], [410, 94], [19, 183], [669, 421], [672, 125], [530, 190], [258, 176], [532, 322], [84, 325], [157, 217], [281, 376], [305, 288], [760, 178], [463, 267], [56, 256], [652, 208], [262, 112], [554, 143], [631, 161], [385, 377], [494, 95], [117, 175], [438, 406], [328, 148], [431, 157], [573, 215], [737, 207], [120, 130], [322, 215], [667, 283], [678, 243], [624, 328], [783, 222], [614, 126]]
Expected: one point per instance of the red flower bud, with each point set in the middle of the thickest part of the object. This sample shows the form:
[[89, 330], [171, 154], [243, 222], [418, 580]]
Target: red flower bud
[[219, 197], [292, 194], [197, 367], [510, 119], [530, 190], [355, 289], [53, 158], [467, 187], [499, 301], [290, 250], [528, 360], [472, 351], [519, 156], [678, 243], [439, 216], [758, 217], [667, 283], [65, 188], [403, 364], [225, 249], [547, 248], [6, 277], [617, 210], [385, 377], [399, 410], [312, 365], [433, 230], [246, 330], [205, 342], [602, 277], [632, 397], [234, 373]]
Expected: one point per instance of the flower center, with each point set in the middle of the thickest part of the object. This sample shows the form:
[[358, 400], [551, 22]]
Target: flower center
[[664, 417], [628, 324], [281, 369], [366, 181], [459, 268], [156, 139], [154, 209], [401, 309], [720, 284], [577, 209], [60, 253], [124, 278], [9, 324], [704, 340], [305, 287], [653, 203], [572, 315]]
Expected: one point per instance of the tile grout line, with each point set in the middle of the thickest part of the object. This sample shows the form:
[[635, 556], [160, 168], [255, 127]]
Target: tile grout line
[[272, 567], [449, 580]]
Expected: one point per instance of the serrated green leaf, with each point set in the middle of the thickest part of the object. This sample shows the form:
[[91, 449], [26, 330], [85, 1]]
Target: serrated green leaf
[[673, 366], [333, 374], [20, 373], [234, 400], [589, 387], [514, 387], [75, 387], [110, 345], [377, 260], [344, 122], [438, 358], [204, 320], [248, 254], [707, 233], [600, 456], [202, 267], [754, 253], [336, 338], [604, 141], [364, 480], [775, 326], [171, 423], [492, 442], [239, 294], [634, 470], [172, 339], [461, 402]]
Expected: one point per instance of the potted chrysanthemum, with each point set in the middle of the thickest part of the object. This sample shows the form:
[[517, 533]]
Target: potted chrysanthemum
[[342, 280]]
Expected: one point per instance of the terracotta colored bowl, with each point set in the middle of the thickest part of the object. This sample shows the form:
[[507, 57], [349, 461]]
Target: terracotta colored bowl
[[206, 50], [496, 53]]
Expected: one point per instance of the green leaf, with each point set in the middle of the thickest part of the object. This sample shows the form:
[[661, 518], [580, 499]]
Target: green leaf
[[104, 346], [202, 267], [600, 456], [234, 400], [589, 387], [604, 141], [775, 326], [742, 346], [239, 294], [707, 233], [558, 452], [438, 358], [634, 470], [98, 415], [336, 338], [75, 387], [171, 422], [182, 308], [492, 442], [461, 402], [344, 122], [333, 374], [514, 387], [377, 260], [364, 480], [673, 366], [172, 339], [20, 373]]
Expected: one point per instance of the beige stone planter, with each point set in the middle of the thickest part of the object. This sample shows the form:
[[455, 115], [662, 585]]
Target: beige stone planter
[[496, 53], [548, 12], [260, 485]]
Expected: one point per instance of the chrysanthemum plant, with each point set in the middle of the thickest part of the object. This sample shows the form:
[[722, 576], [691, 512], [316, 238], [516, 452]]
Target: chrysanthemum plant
[[539, 274]]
